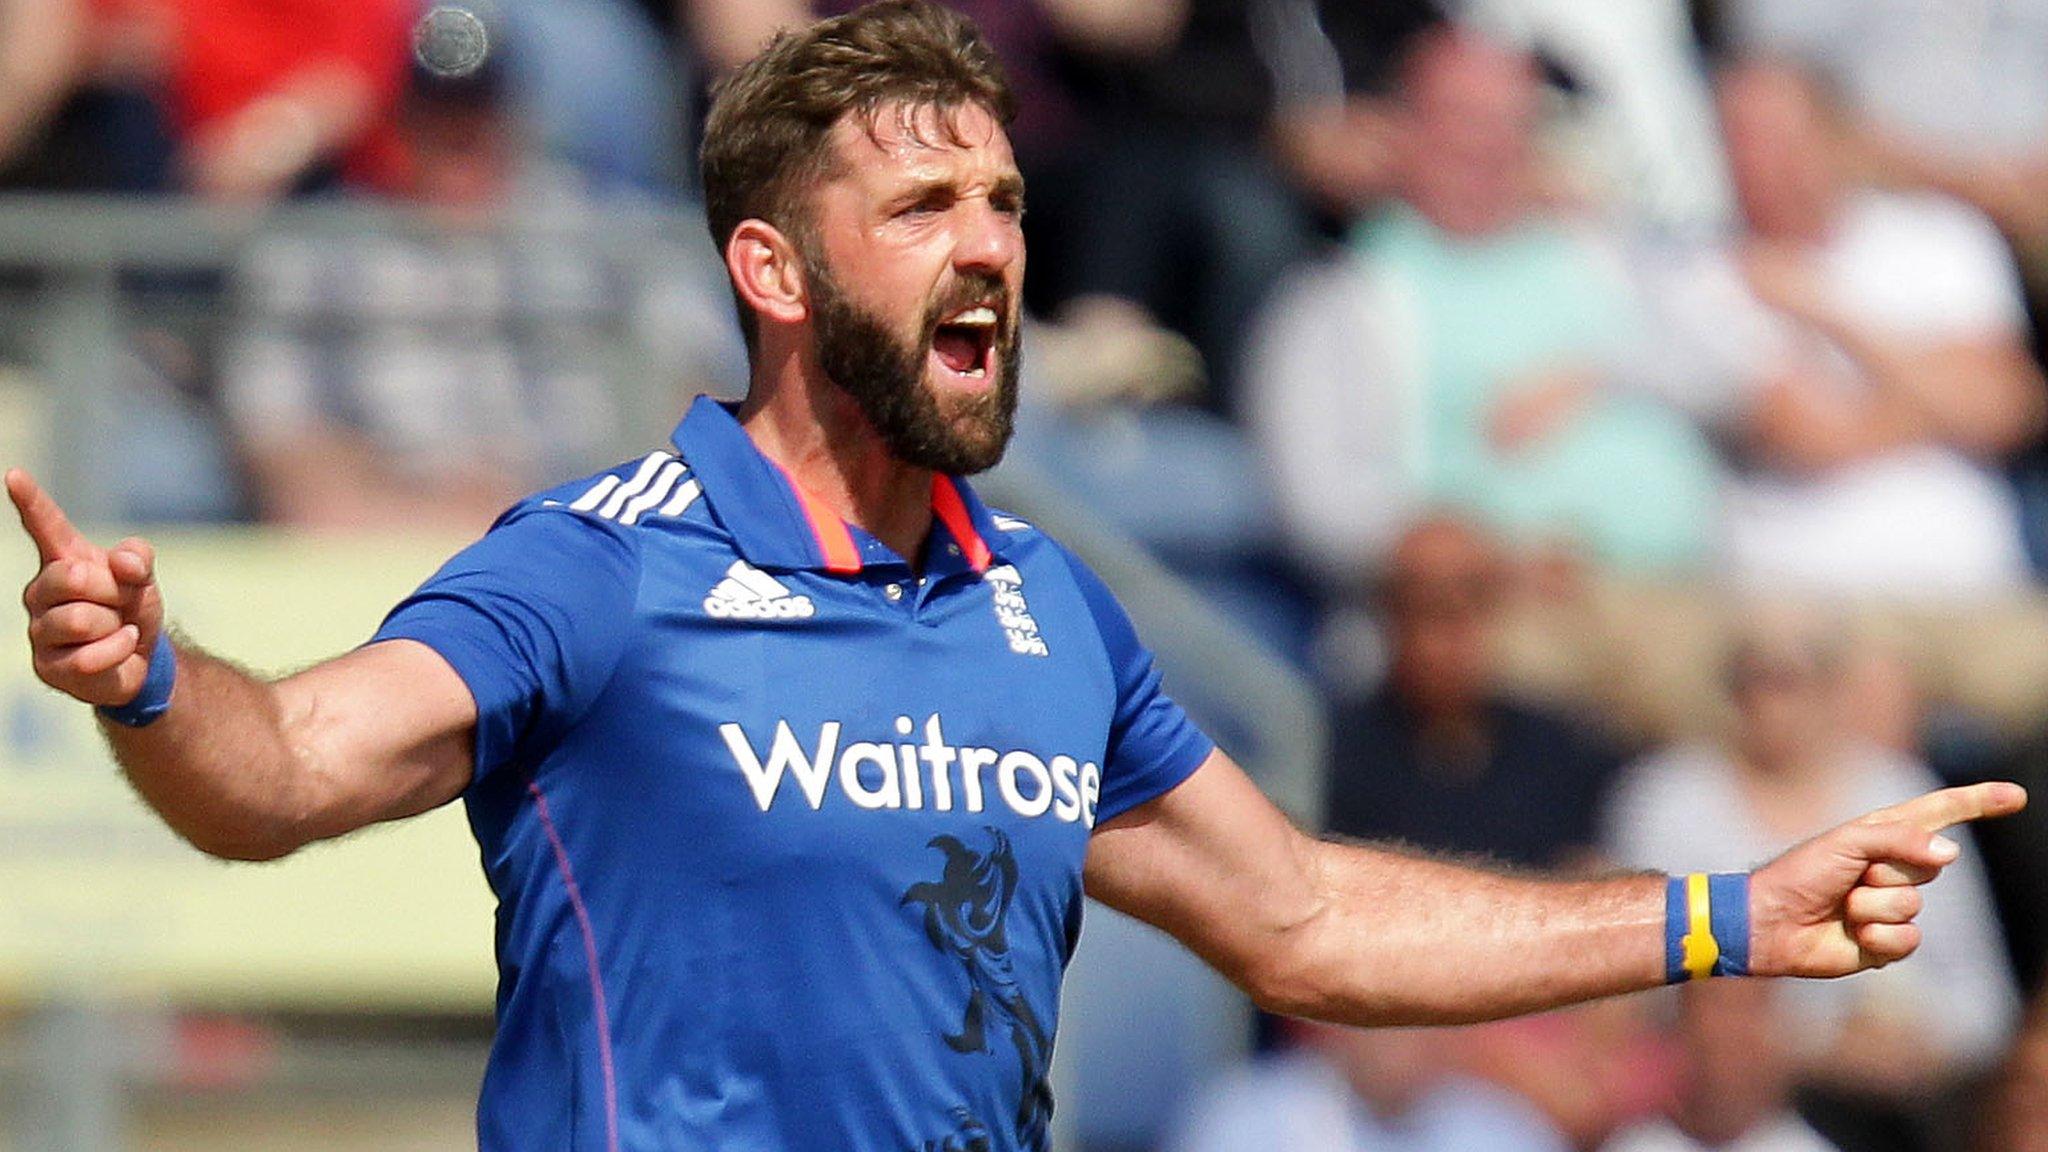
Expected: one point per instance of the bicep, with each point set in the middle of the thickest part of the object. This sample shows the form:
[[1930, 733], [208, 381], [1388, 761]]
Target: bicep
[[387, 731], [1212, 863]]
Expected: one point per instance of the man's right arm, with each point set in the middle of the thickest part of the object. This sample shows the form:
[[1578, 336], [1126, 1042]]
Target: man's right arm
[[240, 766]]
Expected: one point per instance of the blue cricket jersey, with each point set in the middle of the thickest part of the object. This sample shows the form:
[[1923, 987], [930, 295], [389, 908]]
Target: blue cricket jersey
[[787, 840]]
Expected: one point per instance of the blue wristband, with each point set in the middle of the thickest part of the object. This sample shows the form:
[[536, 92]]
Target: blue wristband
[[1706, 926], [1731, 921], [155, 698]]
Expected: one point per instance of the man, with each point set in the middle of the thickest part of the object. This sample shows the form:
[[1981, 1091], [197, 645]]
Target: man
[[1863, 353], [1471, 350], [790, 833], [1438, 755]]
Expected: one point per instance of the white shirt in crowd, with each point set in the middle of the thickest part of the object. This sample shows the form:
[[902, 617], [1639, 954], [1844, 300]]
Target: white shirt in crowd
[[1924, 521], [1785, 1133], [1683, 810], [1296, 1101]]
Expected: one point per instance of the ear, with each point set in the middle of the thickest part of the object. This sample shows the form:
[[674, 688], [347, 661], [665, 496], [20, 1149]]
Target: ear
[[766, 272]]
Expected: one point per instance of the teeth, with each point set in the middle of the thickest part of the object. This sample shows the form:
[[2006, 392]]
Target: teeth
[[983, 316]]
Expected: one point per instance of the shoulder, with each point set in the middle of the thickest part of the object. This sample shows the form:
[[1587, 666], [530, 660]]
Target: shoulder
[[1032, 552], [597, 524], [1466, 1112], [1276, 1100], [1946, 246], [1551, 721], [1675, 784], [1650, 1136], [657, 485], [1920, 218], [1685, 767], [1886, 776], [621, 503]]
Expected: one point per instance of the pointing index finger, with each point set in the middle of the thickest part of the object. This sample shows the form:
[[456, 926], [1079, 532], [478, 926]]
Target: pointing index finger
[[42, 519], [1935, 811]]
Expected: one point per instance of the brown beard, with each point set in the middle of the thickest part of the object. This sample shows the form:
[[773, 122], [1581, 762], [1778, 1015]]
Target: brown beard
[[885, 376]]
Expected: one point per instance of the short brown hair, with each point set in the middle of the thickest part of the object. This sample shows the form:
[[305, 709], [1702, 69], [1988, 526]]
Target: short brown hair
[[766, 139]]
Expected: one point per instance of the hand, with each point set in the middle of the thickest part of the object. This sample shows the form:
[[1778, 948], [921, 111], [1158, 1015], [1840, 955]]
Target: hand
[[93, 614], [1785, 279], [1845, 900], [1533, 410]]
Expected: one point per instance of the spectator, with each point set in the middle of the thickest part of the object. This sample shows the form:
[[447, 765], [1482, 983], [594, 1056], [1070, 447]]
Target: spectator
[[1951, 103], [604, 90], [1217, 155], [1872, 1053], [1640, 125], [1735, 1079], [2015, 1115], [1868, 351], [273, 97], [1965, 86], [1469, 352], [2017, 853], [425, 375], [78, 107], [1362, 1090], [1437, 756], [1440, 758]]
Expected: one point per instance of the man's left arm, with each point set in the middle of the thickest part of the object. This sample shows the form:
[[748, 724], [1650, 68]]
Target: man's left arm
[[1364, 934]]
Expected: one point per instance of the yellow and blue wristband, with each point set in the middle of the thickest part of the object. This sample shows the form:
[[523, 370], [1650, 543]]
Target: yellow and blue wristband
[[1706, 926]]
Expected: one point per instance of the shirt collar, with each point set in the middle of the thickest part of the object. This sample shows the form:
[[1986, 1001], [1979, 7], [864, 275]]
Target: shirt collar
[[775, 523]]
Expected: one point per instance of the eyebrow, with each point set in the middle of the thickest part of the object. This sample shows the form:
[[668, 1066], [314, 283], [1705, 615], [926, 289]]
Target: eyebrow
[[1011, 185]]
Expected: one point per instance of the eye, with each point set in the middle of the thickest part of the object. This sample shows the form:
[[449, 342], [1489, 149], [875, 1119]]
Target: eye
[[930, 203]]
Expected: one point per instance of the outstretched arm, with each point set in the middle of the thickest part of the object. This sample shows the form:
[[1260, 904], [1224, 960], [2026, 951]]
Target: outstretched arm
[[240, 766], [1367, 935]]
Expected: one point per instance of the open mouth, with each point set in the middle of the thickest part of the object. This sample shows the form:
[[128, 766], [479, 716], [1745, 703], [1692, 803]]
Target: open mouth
[[965, 342]]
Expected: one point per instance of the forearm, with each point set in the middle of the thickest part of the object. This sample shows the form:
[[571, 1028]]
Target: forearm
[[1367, 935], [239, 766], [1401, 939], [260, 149], [1807, 427], [219, 766], [41, 45], [1982, 396]]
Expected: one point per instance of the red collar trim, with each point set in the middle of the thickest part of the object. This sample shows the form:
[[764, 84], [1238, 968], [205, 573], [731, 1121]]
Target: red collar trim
[[835, 540], [952, 512]]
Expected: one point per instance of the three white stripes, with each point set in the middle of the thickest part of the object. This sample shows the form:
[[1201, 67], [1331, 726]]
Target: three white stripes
[[653, 487]]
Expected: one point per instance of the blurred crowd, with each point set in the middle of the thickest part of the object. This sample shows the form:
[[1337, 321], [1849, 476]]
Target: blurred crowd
[[1632, 414]]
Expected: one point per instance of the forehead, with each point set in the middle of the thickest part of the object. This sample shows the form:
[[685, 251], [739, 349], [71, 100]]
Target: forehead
[[902, 142]]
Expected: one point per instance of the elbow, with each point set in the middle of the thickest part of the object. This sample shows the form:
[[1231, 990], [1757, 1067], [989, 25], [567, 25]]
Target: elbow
[[1283, 998], [241, 844], [1280, 980]]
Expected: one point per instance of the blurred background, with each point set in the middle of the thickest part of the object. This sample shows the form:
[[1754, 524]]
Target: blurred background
[[1568, 434]]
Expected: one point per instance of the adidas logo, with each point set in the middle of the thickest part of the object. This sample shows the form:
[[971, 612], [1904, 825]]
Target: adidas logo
[[747, 593]]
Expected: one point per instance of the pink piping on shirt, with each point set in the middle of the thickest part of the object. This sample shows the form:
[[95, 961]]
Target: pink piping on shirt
[[604, 1028]]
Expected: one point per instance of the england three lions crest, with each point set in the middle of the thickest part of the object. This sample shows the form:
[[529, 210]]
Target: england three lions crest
[[1014, 616]]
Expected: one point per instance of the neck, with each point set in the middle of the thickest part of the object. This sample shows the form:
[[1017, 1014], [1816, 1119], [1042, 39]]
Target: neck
[[803, 422]]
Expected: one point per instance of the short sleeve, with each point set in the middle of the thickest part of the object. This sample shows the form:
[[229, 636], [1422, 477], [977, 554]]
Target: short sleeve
[[534, 617], [1153, 745], [1925, 268]]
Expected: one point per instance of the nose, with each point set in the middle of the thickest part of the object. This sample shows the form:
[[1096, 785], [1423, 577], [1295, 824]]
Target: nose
[[990, 240]]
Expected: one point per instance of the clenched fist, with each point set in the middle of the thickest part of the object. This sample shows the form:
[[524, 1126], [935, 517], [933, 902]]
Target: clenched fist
[[93, 614]]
